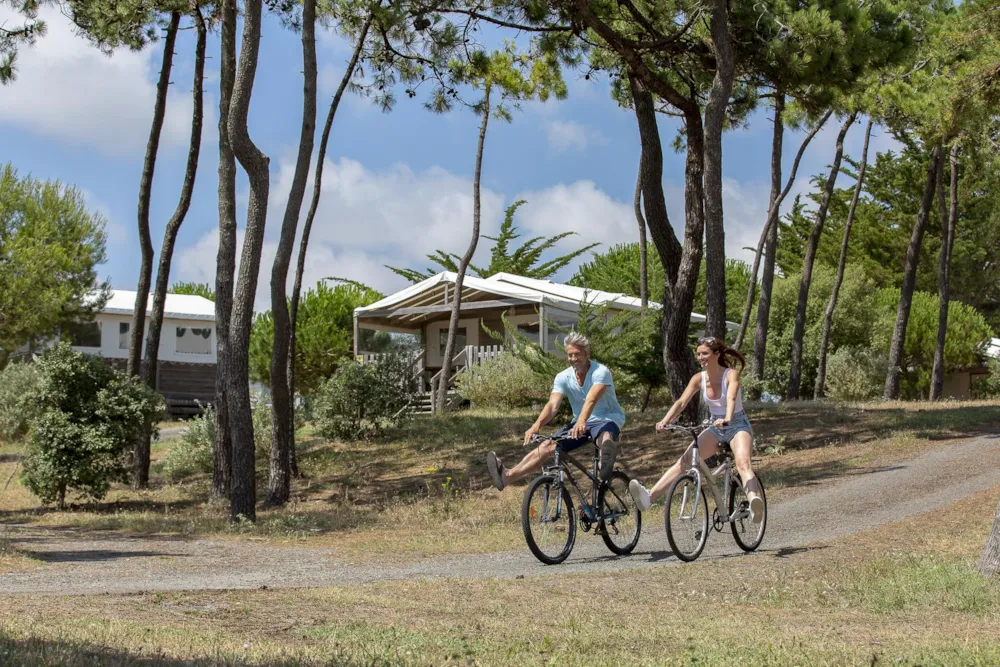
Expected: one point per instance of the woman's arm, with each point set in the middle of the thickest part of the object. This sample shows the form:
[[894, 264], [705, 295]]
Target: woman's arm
[[693, 387], [732, 390]]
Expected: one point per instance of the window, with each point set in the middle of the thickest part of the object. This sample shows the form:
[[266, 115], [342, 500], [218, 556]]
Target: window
[[529, 331], [194, 341], [461, 340], [559, 324], [123, 337], [83, 334]]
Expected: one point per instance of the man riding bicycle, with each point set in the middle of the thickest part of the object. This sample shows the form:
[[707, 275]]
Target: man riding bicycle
[[597, 416]]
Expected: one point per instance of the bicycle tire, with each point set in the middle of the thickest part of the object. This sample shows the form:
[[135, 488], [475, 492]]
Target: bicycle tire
[[623, 498], [678, 485], [544, 484], [737, 488]]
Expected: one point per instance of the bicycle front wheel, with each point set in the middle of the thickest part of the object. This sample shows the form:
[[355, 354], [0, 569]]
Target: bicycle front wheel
[[620, 518], [686, 518], [548, 519], [748, 535]]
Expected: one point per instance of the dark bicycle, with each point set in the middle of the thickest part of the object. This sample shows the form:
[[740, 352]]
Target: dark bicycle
[[686, 512], [548, 516]]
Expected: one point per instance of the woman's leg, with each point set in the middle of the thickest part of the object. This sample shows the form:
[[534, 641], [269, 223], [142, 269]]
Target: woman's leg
[[742, 444], [708, 445]]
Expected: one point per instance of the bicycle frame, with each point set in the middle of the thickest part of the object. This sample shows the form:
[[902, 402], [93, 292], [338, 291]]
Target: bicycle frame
[[700, 471], [564, 474]]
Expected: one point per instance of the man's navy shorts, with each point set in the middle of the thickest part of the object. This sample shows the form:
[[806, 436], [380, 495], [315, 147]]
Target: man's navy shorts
[[594, 430]]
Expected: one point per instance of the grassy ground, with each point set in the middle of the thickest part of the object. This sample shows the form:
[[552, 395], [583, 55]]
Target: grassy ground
[[397, 498], [905, 593]]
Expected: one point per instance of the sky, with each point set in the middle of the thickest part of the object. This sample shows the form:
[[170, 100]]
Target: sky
[[396, 185]]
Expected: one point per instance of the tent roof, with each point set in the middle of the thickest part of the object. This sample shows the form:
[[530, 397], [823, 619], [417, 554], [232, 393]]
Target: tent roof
[[501, 289]]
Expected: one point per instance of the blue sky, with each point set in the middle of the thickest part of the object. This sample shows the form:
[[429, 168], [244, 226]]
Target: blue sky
[[396, 186]]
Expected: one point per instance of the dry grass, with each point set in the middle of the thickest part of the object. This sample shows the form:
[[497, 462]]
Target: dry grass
[[851, 602], [425, 491]]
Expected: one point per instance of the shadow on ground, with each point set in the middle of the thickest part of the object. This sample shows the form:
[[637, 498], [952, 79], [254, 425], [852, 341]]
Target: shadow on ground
[[31, 651]]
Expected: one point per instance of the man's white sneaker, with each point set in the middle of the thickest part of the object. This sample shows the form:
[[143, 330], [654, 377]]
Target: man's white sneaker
[[756, 509], [639, 494]]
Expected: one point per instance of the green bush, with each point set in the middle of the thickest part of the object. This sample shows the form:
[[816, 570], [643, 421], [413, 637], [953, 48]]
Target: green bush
[[361, 401], [988, 386], [967, 329], [89, 417], [855, 374], [192, 454], [18, 384], [503, 382]]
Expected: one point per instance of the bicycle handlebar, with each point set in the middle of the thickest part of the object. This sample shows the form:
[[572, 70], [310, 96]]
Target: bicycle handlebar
[[693, 429], [555, 437]]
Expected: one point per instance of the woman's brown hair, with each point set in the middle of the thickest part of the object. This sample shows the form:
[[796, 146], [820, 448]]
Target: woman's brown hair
[[728, 356]]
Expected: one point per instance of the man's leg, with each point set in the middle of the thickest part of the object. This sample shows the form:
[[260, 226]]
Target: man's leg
[[608, 446], [532, 462]]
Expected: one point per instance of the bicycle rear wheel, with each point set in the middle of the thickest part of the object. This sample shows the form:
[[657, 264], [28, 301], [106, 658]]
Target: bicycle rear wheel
[[686, 518], [620, 518], [748, 535], [548, 519]]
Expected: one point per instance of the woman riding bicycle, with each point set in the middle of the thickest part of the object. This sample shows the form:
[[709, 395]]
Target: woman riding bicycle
[[719, 384]]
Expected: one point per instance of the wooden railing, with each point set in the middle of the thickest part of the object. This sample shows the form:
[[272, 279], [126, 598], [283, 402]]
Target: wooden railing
[[471, 355]]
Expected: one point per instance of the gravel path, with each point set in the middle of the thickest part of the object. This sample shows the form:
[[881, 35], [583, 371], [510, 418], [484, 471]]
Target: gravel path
[[88, 563]]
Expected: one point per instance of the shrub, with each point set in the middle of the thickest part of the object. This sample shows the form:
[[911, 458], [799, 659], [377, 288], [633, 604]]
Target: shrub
[[18, 384], [502, 382], [855, 374], [89, 417], [988, 386], [193, 452], [364, 400]]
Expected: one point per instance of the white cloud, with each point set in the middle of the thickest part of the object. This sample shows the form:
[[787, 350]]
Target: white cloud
[[68, 90], [569, 135], [365, 220], [580, 207], [118, 235], [368, 219]]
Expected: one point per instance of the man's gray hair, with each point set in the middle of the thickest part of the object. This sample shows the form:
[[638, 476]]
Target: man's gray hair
[[577, 340]]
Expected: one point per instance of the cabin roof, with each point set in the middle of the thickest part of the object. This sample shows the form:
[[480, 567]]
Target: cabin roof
[[177, 306]]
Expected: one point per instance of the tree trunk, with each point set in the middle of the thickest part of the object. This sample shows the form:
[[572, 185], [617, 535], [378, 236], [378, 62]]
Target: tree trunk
[[895, 373], [715, 117], [769, 247], [145, 190], [824, 344], [463, 265], [795, 370], [643, 259], [282, 404], [949, 222], [989, 560], [311, 215], [222, 443], [140, 460], [243, 495], [771, 230], [680, 264]]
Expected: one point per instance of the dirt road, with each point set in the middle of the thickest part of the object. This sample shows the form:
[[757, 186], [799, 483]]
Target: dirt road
[[79, 563]]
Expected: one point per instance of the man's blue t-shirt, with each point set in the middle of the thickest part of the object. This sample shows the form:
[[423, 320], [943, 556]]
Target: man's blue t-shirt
[[607, 407]]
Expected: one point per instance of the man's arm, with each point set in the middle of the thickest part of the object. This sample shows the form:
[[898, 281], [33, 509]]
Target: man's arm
[[594, 395], [544, 417]]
